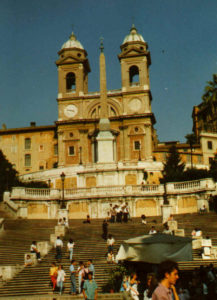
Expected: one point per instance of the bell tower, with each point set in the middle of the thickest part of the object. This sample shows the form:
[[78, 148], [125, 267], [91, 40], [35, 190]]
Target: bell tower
[[135, 60], [73, 69]]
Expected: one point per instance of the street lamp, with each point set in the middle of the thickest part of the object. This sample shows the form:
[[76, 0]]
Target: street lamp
[[165, 188], [80, 151], [62, 176]]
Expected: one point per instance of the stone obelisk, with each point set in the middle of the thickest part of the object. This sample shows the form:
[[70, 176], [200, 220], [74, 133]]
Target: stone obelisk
[[105, 138]]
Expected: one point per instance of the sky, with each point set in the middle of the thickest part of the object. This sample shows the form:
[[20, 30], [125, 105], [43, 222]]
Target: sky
[[181, 35]]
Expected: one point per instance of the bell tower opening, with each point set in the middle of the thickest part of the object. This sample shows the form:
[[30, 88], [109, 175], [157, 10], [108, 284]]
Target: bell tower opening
[[134, 75], [70, 82]]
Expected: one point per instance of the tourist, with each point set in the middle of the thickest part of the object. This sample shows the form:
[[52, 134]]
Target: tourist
[[33, 249], [60, 278], [193, 233], [90, 288], [113, 214], [65, 223], [134, 287], [110, 243], [198, 232], [28, 261], [167, 275], [80, 272], [167, 229], [203, 210], [119, 214], [70, 248], [152, 230], [151, 285], [128, 211], [91, 267], [110, 257], [73, 277], [125, 288], [125, 214], [58, 245], [53, 275], [143, 218], [60, 222], [104, 229], [87, 221]]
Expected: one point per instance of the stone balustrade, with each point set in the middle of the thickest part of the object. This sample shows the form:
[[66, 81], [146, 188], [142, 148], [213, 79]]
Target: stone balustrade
[[116, 190]]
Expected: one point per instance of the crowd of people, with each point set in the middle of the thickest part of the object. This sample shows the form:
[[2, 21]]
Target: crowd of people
[[119, 213]]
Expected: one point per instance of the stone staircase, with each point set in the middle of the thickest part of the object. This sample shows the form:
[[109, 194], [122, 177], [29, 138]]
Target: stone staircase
[[88, 245]]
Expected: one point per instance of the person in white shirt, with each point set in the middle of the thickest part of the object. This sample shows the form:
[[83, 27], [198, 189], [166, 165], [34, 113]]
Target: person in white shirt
[[60, 278], [58, 245], [70, 248], [110, 243], [152, 230], [33, 249], [65, 222]]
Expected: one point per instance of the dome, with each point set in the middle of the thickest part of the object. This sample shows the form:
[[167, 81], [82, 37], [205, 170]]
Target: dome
[[134, 36], [72, 43]]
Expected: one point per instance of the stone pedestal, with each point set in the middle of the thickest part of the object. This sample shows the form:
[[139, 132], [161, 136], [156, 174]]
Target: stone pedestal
[[105, 143], [8, 272], [63, 213], [60, 230], [43, 247], [166, 212]]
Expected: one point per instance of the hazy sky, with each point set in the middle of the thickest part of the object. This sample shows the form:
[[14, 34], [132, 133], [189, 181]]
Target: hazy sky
[[181, 35]]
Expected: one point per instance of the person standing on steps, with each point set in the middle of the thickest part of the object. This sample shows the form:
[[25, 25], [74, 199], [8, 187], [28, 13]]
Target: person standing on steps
[[90, 288], [53, 275], [73, 277], [81, 273], [58, 245], [91, 267], [60, 278], [33, 249], [110, 243], [104, 229], [70, 248]]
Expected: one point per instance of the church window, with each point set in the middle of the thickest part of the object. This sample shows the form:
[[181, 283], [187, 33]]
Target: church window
[[134, 75], [56, 149], [71, 134], [137, 145], [71, 150], [27, 160], [209, 145], [136, 129], [70, 82], [41, 167], [41, 148], [27, 143]]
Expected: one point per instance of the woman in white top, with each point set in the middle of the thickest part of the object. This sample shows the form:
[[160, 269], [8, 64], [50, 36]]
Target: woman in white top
[[60, 278], [110, 242], [134, 287], [151, 286], [70, 247]]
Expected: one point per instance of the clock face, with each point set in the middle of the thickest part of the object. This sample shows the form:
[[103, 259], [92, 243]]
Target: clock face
[[70, 110]]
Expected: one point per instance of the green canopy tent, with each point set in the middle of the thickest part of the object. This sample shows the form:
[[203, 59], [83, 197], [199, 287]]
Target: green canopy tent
[[156, 248]]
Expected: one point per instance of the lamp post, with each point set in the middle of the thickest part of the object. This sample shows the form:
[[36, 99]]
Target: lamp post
[[80, 151], [165, 188], [62, 176]]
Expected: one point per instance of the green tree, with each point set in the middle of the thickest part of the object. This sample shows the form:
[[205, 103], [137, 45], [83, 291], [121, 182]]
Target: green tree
[[210, 91], [173, 167], [8, 175], [213, 168]]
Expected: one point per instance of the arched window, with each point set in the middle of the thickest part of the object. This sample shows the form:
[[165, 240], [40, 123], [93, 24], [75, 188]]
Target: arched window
[[70, 82], [134, 75]]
